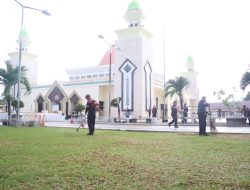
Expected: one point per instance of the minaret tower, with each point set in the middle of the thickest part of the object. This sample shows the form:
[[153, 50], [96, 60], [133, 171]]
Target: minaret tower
[[191, 76], [133, 66], [28, 59]]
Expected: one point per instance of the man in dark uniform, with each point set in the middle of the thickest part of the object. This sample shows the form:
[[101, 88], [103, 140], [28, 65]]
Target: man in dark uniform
[[248, 115], [174, 115], [244, 111], [219, 113], [90, 110], [202, 115], [154, 111]]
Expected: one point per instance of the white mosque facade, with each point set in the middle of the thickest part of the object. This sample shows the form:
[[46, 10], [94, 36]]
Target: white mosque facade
[[131, 77]]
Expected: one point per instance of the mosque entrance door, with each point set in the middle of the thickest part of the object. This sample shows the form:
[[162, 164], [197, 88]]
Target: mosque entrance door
[[40, 102], [56, 97], [40, 107], [74, 101]]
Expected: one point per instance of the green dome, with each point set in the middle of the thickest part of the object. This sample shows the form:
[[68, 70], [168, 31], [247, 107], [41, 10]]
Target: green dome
[[189, 59], [134, 5], [25, 33]]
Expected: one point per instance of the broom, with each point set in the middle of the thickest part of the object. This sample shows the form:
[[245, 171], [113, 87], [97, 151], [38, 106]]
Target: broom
[[212, 125], [82, 123]]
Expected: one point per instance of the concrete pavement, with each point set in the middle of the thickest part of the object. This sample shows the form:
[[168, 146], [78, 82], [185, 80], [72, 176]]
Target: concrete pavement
[[152, 127]]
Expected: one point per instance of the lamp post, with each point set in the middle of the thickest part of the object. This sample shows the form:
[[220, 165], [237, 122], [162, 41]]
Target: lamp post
[[110, 54], [20, 55], [164, 85]]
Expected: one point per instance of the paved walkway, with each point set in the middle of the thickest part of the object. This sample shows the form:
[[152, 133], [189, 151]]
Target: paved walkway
[[153, 127]]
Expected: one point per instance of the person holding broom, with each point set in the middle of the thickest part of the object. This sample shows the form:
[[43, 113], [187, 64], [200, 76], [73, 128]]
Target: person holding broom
[[202, 115]]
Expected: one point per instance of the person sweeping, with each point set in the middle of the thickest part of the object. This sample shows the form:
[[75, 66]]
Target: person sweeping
[[202, 115]]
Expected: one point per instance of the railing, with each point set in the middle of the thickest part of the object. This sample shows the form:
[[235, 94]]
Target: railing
[[30, 117]]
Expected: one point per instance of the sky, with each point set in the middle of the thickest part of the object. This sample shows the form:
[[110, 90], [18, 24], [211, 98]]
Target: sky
[[216, 33]]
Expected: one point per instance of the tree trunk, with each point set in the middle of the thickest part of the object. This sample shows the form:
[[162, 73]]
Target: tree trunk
[[181, 101], [9, 111]]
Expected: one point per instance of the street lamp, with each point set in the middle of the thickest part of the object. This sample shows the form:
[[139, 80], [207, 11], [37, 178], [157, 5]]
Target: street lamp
[[20, 55], [110, 53], [164, 85]]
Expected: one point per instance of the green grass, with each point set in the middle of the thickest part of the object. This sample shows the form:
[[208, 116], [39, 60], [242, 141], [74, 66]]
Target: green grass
[[60, 158]]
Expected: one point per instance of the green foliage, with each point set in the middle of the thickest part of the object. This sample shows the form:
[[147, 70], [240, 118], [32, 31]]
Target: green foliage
[[8, 98], [14, 104], [247, 98], [245, 80], [2, 102], [9, 78], [60, 158], [176, 86], [79, 108], [228, 100]]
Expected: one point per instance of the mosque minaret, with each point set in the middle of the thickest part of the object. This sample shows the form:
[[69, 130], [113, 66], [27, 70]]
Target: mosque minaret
[[28, 59], [134, 63]]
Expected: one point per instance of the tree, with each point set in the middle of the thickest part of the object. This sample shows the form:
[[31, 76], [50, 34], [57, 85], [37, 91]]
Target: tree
[[9, 78], [14, 104], [176, 86], [2, 103], [8, 99], [228, 100], [79, 108], [245, 80], [116, 103], [247, 98]]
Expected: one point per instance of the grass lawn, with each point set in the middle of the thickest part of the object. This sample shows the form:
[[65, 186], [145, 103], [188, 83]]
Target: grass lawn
[[60, 158]]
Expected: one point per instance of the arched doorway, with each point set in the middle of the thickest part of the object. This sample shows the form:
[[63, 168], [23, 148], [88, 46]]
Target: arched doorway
[[55, 98], [74, 101], [40, 102]]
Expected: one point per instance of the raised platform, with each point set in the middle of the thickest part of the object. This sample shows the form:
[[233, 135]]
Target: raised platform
[[236, 121]]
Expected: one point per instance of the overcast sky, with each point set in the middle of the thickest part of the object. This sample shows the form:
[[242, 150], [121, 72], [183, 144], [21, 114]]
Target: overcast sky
[[216, 33]]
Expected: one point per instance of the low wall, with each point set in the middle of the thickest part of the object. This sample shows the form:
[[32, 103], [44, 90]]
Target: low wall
[[54, 117], [236, 121], [3, 116]]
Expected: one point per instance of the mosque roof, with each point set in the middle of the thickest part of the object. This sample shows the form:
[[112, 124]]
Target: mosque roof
[[134, 5], [106, 58]]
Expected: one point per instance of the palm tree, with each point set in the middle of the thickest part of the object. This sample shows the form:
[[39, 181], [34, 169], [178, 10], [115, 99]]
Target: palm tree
[[247, 97], [176, 86], [116, 103], [8, 78], [245, 80], [14, 104]]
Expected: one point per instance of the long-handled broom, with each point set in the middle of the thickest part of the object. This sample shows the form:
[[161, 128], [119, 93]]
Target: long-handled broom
[[82, 123], [212, 125]]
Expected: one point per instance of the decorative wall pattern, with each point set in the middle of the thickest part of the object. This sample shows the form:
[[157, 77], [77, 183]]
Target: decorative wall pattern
[[148, 85], [127, 70]]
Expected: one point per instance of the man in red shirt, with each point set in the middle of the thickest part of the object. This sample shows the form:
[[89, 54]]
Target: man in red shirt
[[91, 111]]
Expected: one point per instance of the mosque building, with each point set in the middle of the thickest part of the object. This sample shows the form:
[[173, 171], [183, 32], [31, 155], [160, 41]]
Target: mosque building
[[125, 73]]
